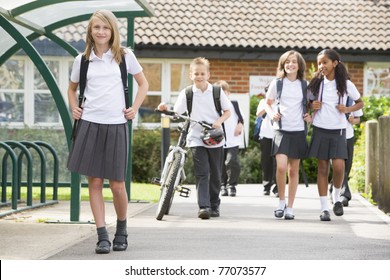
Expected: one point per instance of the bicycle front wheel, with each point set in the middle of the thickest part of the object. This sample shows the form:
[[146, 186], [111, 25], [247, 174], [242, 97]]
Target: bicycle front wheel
[[168, 187]]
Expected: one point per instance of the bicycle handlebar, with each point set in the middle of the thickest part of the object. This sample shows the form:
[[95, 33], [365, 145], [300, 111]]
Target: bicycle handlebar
[[173, 115]]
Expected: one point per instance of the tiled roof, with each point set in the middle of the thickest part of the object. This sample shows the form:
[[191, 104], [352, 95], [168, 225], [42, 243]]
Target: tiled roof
[[304, 24]]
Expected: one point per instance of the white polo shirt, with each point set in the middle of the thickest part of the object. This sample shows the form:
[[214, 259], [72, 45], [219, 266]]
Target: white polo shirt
[[290, 104], [266, 129], [203, 109], [230, 126], [350, 132], [329, 117], [104, 95]]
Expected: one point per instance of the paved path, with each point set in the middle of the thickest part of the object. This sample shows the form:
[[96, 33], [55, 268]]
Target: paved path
[[247, 230]]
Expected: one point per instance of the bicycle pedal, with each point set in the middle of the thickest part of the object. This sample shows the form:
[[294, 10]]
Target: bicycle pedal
[[185, 192], [155, 181]]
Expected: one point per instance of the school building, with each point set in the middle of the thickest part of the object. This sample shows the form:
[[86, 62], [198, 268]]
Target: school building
[[242, 39]]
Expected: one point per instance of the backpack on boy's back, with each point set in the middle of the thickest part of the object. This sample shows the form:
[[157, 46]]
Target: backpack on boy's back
[[257, 128]]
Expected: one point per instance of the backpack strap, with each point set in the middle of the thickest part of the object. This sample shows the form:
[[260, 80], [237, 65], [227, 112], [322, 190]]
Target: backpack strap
[[279, 88], [304, 103], [83, 78], [304, 96], [217, 99], [348, 104], [123, 68], [84, 63], [217, 104], [189, 96], [238, 112]]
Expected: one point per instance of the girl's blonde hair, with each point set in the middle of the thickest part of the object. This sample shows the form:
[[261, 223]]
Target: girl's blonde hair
[[301, 65], [110, 20]]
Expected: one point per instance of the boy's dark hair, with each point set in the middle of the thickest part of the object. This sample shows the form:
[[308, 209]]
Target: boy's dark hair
[[341, 74]]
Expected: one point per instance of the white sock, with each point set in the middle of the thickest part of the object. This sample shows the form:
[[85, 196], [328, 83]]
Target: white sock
[[282, 204], [324, 203], [289, 211], [336, 194]]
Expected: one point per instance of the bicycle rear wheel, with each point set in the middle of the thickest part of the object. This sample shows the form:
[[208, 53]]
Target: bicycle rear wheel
[[168, 187]]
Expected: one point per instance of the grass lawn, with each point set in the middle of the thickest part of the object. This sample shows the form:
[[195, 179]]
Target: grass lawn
[[139, 191]]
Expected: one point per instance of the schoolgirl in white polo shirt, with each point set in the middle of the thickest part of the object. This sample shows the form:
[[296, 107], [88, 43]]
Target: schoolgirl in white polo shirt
[[330, 88], [289, 143], [100, 147]]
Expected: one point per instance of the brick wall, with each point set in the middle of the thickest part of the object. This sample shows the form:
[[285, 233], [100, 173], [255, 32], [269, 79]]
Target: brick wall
[[237, 72]]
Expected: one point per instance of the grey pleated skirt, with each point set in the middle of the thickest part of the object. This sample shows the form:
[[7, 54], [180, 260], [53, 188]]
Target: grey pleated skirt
[[100, 150], [328, 144], [290, 143]]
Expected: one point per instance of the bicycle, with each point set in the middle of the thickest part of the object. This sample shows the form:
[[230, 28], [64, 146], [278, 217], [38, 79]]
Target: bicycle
[[173, 175]]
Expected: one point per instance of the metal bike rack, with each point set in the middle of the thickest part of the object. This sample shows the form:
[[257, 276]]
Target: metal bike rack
[[16, 182]]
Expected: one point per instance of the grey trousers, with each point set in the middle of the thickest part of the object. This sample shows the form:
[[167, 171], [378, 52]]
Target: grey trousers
[[207, 169], [230, 167], [268, 164]]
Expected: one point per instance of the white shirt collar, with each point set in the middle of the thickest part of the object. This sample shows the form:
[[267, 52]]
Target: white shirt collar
[[93, 56]]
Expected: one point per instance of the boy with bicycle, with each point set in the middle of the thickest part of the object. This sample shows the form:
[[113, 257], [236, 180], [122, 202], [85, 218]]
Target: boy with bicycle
[[207, 158]]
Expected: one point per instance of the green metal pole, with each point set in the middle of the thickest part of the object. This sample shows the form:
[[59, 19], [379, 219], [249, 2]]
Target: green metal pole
[[130, 43], [60, 103]]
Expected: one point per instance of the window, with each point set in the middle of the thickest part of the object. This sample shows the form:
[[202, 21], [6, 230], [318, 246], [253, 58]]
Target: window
[[45, 109], [166, 79], [12, 91], [377, 79], [26, 99]]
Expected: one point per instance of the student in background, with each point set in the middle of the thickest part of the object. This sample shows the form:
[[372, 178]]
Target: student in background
[[345, 194], [330, 88], [234, 127], [267, 160]]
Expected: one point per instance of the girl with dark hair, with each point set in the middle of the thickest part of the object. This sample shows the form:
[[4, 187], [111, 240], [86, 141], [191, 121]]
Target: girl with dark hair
[[329, 90]]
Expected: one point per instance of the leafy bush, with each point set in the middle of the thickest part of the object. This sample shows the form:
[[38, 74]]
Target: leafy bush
[[357, 175]]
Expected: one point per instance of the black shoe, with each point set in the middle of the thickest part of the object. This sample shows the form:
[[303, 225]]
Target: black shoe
[[338, 208], [325, 216], [119, 242], [204, 213], [224, 191], [279, 213], [289, 216], [344, 201], [275, 191], [232, 190], [266, 192], [214, 213], [103, 247]]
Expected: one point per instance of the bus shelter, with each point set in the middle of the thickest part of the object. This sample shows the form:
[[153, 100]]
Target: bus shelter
[[23, 21]]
